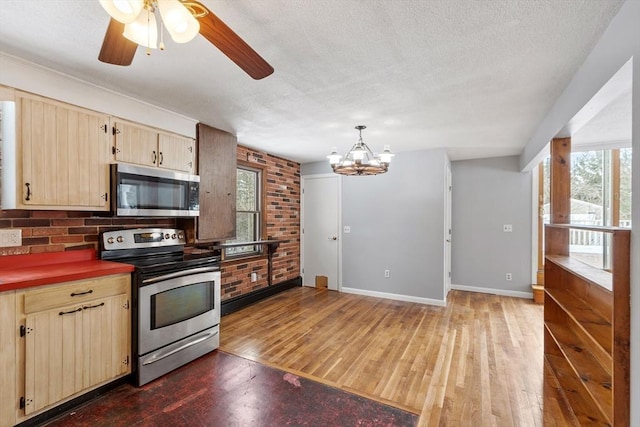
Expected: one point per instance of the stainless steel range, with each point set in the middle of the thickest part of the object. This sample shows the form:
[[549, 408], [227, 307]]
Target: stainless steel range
[[176, 298]]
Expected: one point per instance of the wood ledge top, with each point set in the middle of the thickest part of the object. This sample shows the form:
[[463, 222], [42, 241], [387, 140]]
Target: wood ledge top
[[26, 271]]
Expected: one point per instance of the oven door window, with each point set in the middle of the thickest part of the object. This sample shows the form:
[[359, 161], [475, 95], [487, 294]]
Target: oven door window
[[180, 304]]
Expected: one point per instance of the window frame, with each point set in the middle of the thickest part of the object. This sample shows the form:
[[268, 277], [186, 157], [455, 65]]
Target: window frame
[[260, 221]]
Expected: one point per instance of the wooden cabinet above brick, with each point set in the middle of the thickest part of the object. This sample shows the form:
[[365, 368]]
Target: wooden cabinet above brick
[[217, 170]]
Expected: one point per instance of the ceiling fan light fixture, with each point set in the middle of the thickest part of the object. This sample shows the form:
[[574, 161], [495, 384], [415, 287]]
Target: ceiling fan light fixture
[[144, 30], [178, 20], [124, 11]]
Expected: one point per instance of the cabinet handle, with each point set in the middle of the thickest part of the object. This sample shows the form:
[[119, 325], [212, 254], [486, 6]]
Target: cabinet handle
[[161, 158], [190, 149], [62, 313], [115, 130], [105, 197], [28, 191], [154, 157], [86, 307], [190, 165], [104, 128], [76, 294]]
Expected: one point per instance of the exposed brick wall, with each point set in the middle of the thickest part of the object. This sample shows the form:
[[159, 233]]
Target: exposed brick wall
[[57, 231], [282, 210]]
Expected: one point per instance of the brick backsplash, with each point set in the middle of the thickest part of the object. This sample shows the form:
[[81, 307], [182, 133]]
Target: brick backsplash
[[56, 231]]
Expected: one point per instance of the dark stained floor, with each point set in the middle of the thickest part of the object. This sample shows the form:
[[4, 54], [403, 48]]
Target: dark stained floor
[[221, 389]]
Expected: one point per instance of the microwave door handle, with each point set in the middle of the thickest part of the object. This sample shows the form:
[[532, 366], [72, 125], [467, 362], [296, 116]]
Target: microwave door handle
[[179, 274]]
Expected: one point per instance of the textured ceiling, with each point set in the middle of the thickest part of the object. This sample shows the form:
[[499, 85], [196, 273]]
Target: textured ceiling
[[474, 77]]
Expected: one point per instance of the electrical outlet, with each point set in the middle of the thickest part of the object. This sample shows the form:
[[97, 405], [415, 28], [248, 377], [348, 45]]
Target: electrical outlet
[[347, 229], [507, 228], [254, 277], [508, 276], [387, 274], [10, 237]]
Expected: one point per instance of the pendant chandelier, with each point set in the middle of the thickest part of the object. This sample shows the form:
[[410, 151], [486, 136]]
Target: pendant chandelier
[[139, 17], [360, 160]]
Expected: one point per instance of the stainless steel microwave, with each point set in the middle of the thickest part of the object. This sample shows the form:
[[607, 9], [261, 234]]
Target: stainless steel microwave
[[142, 191]]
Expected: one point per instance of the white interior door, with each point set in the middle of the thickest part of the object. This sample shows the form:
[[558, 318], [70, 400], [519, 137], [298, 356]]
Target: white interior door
[[320, 229], [447, 233]]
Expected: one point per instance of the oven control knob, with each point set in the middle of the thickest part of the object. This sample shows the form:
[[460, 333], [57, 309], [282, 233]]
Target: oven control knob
[[180, 236], [173, 236], [119, 239], [110, 240], [166, 236]]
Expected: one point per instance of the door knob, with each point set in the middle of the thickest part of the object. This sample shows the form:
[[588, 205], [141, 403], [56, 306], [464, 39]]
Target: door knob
[[333, 238]]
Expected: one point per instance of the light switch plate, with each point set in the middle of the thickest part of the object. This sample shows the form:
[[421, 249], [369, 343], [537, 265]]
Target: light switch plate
[[10, 237]]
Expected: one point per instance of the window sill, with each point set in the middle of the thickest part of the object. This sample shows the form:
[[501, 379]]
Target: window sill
[[243, 259]]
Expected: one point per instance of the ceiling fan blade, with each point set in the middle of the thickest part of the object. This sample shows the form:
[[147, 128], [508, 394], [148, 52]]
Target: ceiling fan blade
[[116, 48], [229, 43]]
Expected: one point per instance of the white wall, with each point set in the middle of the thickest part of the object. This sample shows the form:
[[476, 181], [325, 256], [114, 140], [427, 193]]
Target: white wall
[[619, 43], [488, 193], [397, 223], [33, 78]]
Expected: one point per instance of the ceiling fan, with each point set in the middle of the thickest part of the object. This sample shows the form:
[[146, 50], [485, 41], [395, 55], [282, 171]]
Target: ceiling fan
[[133, 22]]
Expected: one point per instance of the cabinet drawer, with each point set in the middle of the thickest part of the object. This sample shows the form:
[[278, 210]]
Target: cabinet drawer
[[71, 293]]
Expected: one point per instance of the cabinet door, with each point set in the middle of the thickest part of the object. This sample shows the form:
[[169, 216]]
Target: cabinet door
[[217, 170], [105, 330], [73, 348], [176, 152], [64, 155], [53, 357], [8, 365], [136, 144]]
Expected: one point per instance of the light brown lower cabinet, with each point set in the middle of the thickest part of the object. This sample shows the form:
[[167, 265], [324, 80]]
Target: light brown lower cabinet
[[71, 338], [8, 336]]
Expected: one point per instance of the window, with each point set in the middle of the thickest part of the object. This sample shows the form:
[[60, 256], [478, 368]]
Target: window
[[248, 205], [600, 196]]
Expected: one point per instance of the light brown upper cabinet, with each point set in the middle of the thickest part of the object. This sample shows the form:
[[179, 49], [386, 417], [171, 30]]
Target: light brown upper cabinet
[[217, 170], [146, 146], [64, 155]]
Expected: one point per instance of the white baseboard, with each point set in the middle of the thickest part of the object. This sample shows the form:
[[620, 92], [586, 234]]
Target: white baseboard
[[398, 297], [516, 294]]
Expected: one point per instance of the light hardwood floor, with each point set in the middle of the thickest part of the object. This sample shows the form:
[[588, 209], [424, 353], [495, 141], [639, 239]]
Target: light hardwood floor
[[476, 362]]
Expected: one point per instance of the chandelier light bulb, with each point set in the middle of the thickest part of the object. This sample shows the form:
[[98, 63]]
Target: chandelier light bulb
[[334, 157], [386, 155]]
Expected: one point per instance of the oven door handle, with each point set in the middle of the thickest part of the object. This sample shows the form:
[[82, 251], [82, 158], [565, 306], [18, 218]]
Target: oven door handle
[[162, 355], [180, 274]]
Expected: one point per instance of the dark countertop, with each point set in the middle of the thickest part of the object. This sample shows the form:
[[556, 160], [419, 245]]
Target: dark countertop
[[25, 271]]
